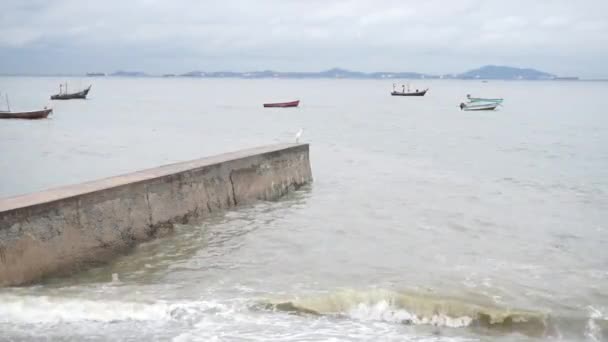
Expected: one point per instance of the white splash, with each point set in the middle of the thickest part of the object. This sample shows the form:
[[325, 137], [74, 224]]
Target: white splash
[[43, 309], [383, 311], [46, 309], [592, 331]]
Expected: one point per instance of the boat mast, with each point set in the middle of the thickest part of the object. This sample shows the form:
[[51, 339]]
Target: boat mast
[[8, 105]]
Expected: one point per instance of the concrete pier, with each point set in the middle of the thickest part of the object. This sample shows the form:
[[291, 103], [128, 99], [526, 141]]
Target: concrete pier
[[71, 227]]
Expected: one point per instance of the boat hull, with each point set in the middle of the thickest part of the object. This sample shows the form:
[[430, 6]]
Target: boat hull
[[477, 107], [32, 115], [416, 93], [79, 95], [282, 104]]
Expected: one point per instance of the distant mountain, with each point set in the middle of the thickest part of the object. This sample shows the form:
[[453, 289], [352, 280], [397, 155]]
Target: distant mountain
[[331, 73], [341, 73], [129, 73], [193, 74], [567, 78], [490, 72], [214, 74], [494, 72], [400, 75]]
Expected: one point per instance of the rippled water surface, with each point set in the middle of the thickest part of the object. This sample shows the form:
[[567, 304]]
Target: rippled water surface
[[424, 223]]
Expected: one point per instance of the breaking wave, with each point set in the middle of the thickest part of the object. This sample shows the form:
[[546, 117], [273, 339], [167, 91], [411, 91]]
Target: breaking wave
[[371, 305], [415, 309]]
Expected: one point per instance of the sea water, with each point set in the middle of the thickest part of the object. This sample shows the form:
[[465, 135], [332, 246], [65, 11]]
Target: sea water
[[423, 223]]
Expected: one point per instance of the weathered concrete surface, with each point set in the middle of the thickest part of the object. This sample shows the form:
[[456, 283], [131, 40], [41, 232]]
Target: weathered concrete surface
[[71, 227]]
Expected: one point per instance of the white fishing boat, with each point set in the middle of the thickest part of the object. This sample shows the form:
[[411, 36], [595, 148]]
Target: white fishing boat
[[478, 106], [482, 99]]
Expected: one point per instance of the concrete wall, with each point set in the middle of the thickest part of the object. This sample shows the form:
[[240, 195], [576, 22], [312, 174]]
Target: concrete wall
[[68, 228]]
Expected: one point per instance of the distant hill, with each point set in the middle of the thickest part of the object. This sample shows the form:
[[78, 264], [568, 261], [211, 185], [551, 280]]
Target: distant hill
[[193, 74], [494, 72], [331, 73], [341, 73], [387, 74], [129, 73], [489, 72], [214, 74]]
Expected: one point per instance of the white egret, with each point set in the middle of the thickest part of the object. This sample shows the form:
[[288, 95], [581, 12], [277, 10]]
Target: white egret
[[298, 135]]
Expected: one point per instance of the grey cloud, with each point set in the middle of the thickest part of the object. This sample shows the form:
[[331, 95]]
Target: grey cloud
[[432, 36]]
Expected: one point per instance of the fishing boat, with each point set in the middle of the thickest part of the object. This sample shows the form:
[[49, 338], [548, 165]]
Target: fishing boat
[[481, 99], [414, 93], [282, 104], [31, 115], [408, 92], [64, 95], [478, 106]]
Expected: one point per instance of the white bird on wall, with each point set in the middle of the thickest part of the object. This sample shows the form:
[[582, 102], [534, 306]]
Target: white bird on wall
[[298, 135]]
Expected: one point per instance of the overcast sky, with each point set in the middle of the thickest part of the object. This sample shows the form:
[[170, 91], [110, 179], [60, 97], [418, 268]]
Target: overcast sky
[[564, 37]]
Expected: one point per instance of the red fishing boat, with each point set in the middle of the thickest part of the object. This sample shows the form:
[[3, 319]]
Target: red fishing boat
[[32, 115], [282, 104]]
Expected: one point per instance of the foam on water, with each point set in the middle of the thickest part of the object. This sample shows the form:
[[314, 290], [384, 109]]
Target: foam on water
[[593, 330], [365, 314], [384, 311], [264, 326], [46, 309], [43, 309]]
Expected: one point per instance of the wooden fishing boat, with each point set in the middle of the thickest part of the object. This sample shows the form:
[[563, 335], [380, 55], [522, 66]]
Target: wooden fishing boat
[[413, 93], [478, 106], [282, 104], [69, 96], [32, 115], [481, 99]]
